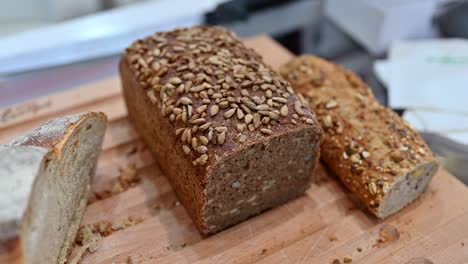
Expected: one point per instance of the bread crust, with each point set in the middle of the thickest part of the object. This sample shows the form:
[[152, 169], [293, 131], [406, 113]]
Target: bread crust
[[197, 96], [367, 145]]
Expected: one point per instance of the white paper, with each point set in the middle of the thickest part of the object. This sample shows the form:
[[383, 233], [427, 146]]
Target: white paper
[[430, 80]]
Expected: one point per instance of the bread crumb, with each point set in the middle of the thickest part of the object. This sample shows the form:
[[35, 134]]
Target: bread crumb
[[347, 260], [128, 177], [131, 260], [387, 233], [332, 238], [177, 247], [264, 251], [359, 249], [131, 221], [88, 239], [336, 261]]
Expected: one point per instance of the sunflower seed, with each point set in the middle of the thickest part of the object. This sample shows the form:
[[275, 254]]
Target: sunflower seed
[[201, 109], [280, 100], [185, 100], [372, 188], [331, 104], [365, 154], [223, 104], [221, 138], [205, 126], [284, 111], [152, 97], [214, 110], [179, 131], [266, 131], [194, 142], [229, 113], [256, 120], [203, 140], [197, 88], [201, 160], [199, 121], [186, 149], [263, 107], [298, 108], [175, 80], [309, 121], [221, 129], [273, 115], [248, 118], [202, 149]]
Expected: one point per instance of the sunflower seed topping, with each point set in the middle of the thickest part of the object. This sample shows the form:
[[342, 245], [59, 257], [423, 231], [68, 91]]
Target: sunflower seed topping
[[205, 80]]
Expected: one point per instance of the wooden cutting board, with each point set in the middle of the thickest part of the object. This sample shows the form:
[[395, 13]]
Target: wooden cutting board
[[319, 227]]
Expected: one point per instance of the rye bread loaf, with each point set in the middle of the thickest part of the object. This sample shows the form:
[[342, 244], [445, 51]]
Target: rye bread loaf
[[45, 179], [227, 131], [378, 156]]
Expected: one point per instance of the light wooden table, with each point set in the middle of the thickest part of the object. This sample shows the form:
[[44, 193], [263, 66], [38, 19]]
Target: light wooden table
[[319, 227]]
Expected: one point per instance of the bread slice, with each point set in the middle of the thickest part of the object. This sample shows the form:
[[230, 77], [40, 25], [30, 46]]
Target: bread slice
[[227, 131], [378, 156], [45, 179]]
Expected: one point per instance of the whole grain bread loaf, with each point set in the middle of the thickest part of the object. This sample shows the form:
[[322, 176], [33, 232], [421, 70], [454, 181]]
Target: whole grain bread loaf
[[227, 131], [378, 156], [45, 179]]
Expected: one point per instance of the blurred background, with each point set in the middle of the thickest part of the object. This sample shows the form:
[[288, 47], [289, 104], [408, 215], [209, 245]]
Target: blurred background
[[413, 53]]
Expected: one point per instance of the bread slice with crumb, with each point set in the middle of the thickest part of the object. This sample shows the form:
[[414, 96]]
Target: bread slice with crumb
[[378, 156], [45, 179]]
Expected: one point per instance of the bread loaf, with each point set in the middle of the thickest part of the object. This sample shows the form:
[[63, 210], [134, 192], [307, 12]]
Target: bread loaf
[[45, 179], [227, 131], [378, 156]]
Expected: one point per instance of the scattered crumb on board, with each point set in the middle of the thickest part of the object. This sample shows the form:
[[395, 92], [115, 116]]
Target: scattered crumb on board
[[131, 260], [128, 177], [89, 236], [332, 238], [177, 246], [387, 233], [345, 260], [88, 240]]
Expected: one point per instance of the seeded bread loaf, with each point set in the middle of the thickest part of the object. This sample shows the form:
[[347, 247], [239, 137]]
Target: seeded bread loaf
[[227, 131], [378, 156], [45, 179]]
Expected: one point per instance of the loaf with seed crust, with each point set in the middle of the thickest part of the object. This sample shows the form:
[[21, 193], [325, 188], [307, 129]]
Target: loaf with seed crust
[[378, 156], [45, 179], [227, 131]]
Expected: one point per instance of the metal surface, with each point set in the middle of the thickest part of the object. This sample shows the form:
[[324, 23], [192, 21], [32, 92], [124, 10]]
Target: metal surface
[[453, 156]]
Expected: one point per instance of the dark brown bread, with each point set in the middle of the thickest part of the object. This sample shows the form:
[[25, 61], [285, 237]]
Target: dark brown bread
[[376, 154], [227, 131]]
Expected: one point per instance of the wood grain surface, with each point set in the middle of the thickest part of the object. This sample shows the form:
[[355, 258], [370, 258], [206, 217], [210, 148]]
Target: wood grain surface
[[322, 226]]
